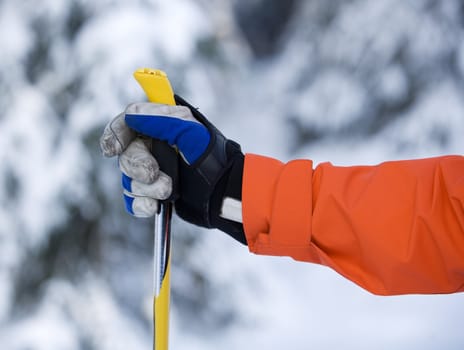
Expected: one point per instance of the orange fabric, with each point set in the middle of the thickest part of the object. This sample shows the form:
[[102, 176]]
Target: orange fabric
[[394, 228]]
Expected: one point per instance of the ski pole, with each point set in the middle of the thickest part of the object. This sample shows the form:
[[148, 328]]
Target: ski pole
[[156, 85]]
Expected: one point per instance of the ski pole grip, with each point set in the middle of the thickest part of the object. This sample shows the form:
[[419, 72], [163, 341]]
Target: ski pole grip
[[156, 85]]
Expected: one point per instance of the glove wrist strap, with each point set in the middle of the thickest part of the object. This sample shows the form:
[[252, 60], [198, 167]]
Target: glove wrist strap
[[229, 191]]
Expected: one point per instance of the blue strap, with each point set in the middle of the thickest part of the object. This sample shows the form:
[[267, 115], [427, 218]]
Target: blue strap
[[126, 182], [128, 201], [127, 185], [191, 138]]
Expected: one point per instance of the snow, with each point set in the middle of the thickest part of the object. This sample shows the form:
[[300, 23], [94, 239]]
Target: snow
[[393, 83], [14, 46], [320, 97], [75, 270]]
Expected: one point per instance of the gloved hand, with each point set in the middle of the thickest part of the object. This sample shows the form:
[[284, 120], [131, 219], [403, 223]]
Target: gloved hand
[[210, 167]]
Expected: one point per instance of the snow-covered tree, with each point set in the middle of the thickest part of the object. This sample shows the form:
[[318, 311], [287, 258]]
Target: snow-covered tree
[[346, 81]]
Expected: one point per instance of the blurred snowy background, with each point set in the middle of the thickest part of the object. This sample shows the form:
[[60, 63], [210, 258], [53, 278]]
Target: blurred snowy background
[[352, 82]]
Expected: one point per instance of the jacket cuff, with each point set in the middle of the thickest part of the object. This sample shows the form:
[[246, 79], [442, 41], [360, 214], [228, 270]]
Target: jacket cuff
[[277, 207]]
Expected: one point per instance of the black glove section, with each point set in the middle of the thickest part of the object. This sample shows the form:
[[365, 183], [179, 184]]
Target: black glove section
[[217, 174]]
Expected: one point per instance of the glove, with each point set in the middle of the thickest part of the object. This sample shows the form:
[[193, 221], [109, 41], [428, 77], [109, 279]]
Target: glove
[[210, 167]]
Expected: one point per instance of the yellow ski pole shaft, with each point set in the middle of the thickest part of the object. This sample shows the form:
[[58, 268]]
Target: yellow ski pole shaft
[[156, 85]]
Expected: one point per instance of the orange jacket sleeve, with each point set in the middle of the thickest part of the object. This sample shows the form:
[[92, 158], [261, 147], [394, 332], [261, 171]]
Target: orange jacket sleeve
[[394, 228]]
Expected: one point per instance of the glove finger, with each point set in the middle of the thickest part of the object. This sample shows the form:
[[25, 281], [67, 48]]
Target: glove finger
[[141, 207], [173, 124], [138, 163], [160, 189], [116, 137]]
